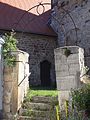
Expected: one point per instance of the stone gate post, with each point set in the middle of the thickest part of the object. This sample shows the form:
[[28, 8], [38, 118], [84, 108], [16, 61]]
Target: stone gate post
[[69, 62], [1, 75]]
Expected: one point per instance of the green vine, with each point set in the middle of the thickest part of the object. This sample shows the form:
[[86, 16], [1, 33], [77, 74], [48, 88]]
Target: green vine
[[9, 45]]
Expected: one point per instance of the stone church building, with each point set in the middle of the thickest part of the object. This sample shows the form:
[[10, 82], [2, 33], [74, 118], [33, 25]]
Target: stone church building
[[34, 35], [42, 29]]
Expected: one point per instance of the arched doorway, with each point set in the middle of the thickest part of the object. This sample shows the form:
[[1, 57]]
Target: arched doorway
[[45, 73]]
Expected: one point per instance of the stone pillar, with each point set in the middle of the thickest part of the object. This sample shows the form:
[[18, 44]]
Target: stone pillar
[[15, 85], [1, 76], [10, 81], [68, 64]]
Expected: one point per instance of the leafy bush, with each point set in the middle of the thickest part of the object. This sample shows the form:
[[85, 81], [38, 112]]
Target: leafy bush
[[81, 99], [9, 45]]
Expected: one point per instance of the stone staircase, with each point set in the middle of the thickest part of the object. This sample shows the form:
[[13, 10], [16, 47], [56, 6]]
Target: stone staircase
[[39, 108]]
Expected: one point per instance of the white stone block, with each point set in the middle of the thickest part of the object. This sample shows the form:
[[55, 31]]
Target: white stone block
[[73, 58], [73, 68], [61, 68], [61, 59], [62, 74], [62, 97], [66, 83], [58, 57]]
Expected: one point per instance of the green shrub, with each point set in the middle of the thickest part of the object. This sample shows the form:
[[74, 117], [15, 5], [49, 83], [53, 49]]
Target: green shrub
[[81, 99], [9, 45]]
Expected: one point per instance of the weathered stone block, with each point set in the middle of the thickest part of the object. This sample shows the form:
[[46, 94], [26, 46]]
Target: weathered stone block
[[7, 97], [37, 113], [62, 73], [62, 97], [66, 83], [33, 118], [60, 59], [37, 106], [61, 50], [6, 108], [8, 86], [50, 100], [73, 68], [73, 58], [61, 68]]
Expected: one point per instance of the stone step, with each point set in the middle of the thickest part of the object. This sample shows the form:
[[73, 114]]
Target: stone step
[[37, 113], [42, 99], [37, 106], [33, 118]]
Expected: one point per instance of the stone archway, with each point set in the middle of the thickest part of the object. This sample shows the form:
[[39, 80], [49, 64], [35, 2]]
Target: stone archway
[[45, 73]]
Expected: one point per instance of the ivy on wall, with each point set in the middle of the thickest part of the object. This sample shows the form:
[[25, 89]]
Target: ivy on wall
[[8, 47]]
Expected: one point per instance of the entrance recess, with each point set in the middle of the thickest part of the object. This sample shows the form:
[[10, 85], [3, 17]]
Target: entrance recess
[[45, 73]]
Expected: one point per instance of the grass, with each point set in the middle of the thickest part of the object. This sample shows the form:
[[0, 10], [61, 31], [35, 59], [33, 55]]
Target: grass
[[39, 91]]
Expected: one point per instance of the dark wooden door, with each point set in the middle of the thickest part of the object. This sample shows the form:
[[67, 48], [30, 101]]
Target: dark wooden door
[[45, 73]]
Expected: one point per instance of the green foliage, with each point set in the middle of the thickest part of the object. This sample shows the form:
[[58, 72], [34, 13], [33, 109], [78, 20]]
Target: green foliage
[[40, 92], [81, 98], [29, 112], [9, 45], [85, 71], [80, 107], [67, 52]]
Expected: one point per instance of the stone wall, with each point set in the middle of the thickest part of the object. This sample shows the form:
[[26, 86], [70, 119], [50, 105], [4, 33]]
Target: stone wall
[[68, 70], [15, 85], [79, 10], [40, 48]]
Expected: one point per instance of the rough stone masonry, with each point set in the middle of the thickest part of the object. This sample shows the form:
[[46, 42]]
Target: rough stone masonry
[[73, 27], [40, 48]]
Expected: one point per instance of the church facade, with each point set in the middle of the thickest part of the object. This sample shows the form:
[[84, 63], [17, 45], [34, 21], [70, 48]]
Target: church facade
[[39, 32]]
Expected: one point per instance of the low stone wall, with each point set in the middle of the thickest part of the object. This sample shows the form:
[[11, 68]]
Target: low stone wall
[[69, 62], [15, 84]]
